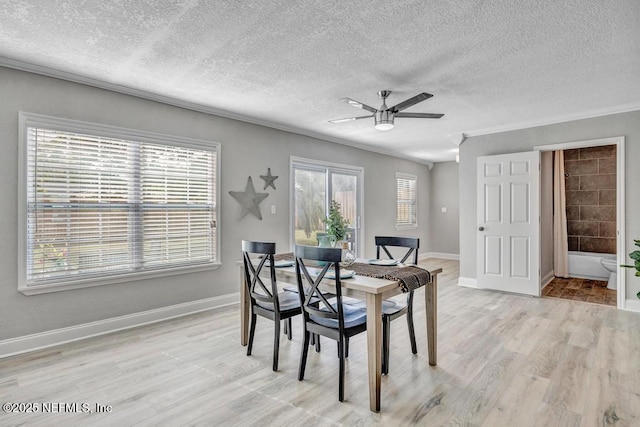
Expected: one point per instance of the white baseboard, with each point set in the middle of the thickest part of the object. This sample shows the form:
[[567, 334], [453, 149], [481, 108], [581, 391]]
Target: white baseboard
[[438, 255], [547, 279], [42, 340], [468, 282], [632, 305]]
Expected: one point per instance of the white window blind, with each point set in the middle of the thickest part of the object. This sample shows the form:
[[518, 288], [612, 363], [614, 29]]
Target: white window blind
[[100, 206], [406, 212]]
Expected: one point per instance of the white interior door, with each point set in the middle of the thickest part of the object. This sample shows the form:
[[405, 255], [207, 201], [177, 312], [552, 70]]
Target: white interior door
[[508, 235]]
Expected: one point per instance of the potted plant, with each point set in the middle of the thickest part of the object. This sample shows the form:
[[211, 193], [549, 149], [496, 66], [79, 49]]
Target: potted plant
[[337, 231], [336, 224], [635, 256]]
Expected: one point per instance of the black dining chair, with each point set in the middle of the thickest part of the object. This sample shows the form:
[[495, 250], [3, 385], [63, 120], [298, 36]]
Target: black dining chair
[[322, 315], [394, 308], [266, 301]]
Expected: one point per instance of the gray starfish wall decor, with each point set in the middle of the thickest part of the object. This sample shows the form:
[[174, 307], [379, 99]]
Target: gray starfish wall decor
[[249, 200], [268, 179]]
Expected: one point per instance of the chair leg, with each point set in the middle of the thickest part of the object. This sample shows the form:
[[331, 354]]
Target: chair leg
[[252, 331], [289, 333], [346, 347], [276, 344], [285, 328], [341, 379], [315, 341], [303, 355], [386, 340], [412, 332]]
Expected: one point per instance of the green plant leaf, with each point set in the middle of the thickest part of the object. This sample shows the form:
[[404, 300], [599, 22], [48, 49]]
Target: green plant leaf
[[336, 224], [635, 256]]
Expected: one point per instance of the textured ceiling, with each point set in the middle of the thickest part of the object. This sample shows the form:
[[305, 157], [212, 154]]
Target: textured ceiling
[[489, 64]]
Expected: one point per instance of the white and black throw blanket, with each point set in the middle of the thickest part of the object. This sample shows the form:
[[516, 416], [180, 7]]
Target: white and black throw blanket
[[410, 277]]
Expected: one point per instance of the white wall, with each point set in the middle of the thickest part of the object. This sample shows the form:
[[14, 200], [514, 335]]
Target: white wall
[[623, 124], [247, 149], [445, 226]]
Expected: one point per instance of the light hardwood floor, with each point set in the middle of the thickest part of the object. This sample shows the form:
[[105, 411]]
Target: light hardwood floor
[[503, 360]]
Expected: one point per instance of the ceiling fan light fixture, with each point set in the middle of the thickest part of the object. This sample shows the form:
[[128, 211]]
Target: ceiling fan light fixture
[[384, 126], [384, 120]]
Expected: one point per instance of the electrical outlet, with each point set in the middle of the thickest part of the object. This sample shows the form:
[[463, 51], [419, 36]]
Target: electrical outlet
[[443, 209], [273, 209]]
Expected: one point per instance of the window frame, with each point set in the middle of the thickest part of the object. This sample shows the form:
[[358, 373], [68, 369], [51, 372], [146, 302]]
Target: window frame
[[408, 177], [27, 120]]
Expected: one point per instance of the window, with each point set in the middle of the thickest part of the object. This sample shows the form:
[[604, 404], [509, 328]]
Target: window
[[406, 206], [102, 205], [314, 185]]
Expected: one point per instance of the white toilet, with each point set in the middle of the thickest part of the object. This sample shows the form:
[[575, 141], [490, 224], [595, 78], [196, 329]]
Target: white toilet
[[611, 265]]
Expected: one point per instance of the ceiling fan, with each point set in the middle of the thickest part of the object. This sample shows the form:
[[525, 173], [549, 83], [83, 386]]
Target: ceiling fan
[[384, 115]]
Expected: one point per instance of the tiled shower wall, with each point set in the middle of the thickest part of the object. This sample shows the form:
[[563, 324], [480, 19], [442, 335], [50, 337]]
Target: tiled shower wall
[[590, 178]]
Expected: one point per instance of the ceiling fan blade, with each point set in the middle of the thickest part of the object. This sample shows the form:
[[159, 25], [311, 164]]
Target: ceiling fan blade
[[419, 115], [358, 104], [411, 101], [349, 119]]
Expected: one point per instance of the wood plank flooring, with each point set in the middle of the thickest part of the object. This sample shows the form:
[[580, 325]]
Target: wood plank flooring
[[503, 360]]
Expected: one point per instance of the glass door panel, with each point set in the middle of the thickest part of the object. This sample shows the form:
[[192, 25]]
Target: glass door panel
[[344, 191], [309, 205], [314, 185]]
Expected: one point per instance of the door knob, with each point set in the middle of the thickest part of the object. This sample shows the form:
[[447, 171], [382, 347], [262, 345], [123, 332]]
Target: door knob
[[481, 228]]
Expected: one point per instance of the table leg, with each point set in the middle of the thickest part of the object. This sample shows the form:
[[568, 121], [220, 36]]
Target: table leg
[[244, 310], [374, 348], [431, 303]]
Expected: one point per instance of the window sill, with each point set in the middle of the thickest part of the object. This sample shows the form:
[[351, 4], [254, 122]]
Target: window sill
[[406, 227], [100, 281]]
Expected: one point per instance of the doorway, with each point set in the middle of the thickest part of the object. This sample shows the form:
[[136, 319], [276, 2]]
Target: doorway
[[591, 174]]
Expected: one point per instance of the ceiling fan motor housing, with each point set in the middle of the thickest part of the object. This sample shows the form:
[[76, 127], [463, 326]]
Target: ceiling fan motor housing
[[384, 119]]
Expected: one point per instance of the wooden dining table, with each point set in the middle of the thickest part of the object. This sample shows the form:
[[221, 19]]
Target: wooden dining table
[[373, 291]]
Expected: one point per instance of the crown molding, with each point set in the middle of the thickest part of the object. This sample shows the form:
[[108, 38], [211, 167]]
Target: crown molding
[[457, 138], [89, 81], [554, 120]]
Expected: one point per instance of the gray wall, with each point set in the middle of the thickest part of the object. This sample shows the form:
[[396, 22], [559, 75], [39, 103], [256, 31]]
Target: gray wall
[[445, 226], [623, 124], [246, 150]]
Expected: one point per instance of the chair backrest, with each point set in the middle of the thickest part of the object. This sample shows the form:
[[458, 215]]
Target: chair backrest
[[257, 289], [312, 300], [410, 243]]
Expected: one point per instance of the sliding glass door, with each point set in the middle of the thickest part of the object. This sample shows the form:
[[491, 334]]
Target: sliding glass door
[[313, 186]]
